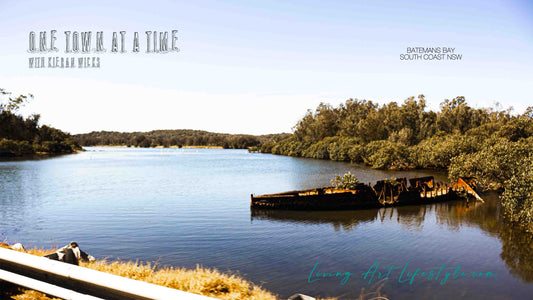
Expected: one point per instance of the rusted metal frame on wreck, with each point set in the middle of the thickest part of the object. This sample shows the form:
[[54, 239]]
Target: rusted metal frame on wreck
[[466, 184], [383, 188]]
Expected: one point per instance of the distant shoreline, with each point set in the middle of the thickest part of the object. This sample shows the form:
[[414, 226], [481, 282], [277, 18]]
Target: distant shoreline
[[162, 147]]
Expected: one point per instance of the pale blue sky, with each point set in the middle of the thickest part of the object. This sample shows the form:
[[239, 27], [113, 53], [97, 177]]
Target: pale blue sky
[[257, 66]]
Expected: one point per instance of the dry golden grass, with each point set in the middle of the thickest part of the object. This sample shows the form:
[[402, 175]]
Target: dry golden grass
[[23, 294], [203, 281]]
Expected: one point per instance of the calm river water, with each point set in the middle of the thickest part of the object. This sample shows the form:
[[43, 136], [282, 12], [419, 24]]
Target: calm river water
[[184, 207]]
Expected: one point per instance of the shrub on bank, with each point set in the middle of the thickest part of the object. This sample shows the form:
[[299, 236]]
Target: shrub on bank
[[385, 154], [318, 150], [438, 151], [17, 147], [339, 148], [505, 165], [356, 153], [494, 164], [24, 147], [517, 199], [267, 147], [290, 147], [346, 181]]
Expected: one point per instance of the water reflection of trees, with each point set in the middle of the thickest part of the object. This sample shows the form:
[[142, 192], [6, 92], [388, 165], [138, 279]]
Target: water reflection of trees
[[517, 252], [517, 245], [485, 216]]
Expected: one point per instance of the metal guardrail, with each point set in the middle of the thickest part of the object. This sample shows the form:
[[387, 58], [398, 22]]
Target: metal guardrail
[[73, 282]]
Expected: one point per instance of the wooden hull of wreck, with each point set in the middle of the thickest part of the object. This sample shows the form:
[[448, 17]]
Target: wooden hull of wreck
[[336, 201], [422, 191]]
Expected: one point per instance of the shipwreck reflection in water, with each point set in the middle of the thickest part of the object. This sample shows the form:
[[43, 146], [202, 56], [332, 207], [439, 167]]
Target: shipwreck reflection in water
[[345, 220], [517, 245], [412, 216]]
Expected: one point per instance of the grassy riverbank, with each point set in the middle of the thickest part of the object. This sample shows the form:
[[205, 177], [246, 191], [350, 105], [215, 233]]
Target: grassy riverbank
[[203, 281]]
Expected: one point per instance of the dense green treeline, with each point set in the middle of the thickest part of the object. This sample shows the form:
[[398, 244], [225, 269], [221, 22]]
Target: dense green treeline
[[179, 138], [492, 145], [21, 135], [393, 136]]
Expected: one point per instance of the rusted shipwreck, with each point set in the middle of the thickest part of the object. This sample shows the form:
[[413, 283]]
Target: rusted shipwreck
[[384, 193]]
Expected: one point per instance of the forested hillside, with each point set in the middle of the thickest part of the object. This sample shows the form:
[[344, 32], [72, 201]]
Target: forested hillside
[[19, 135], [394, 136], [179, 138]]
